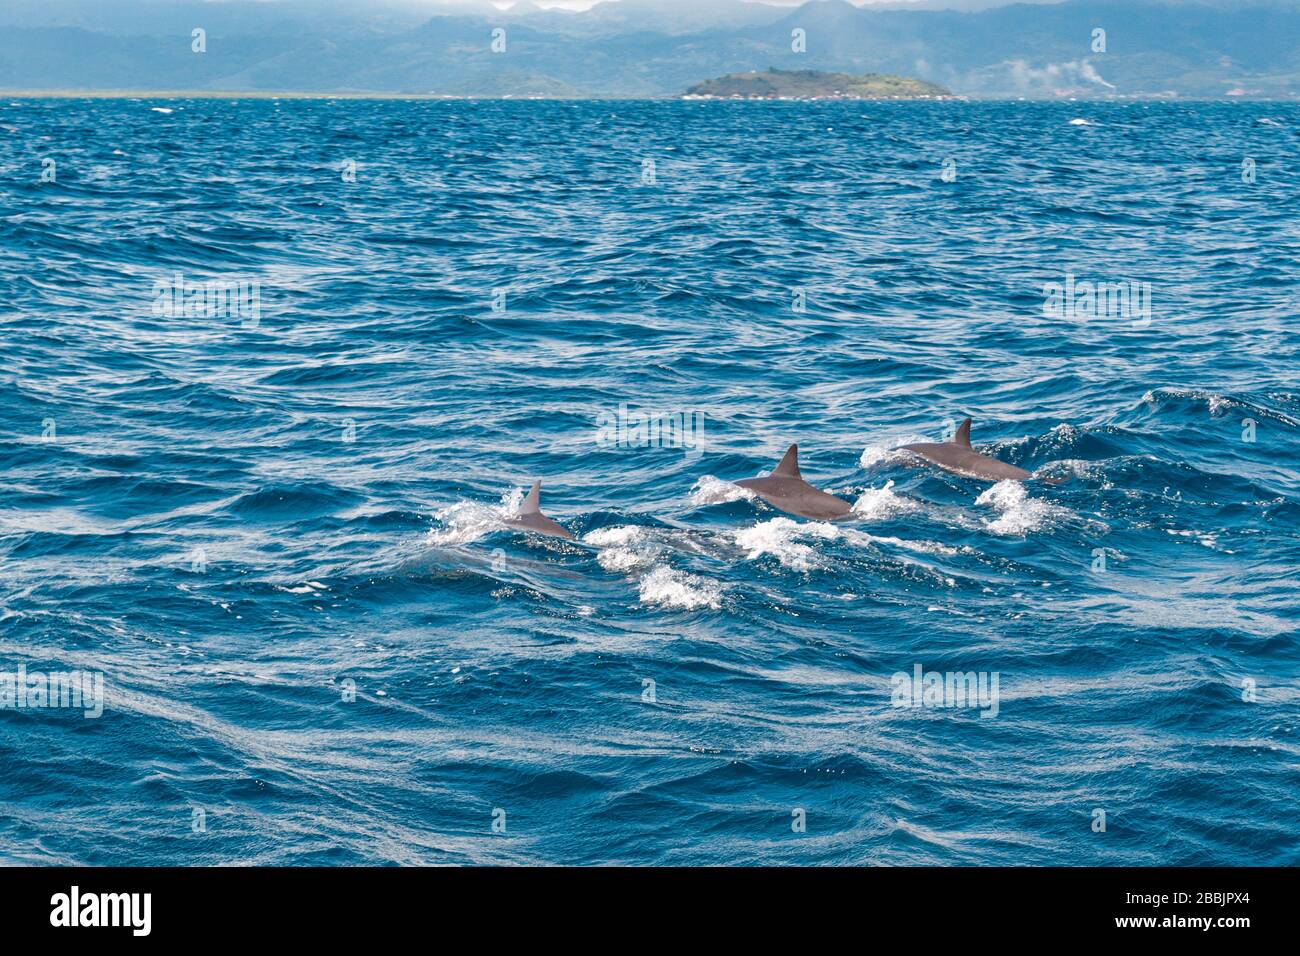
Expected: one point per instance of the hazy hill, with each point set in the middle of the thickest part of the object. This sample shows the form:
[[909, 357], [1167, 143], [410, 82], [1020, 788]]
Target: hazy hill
[[648, 48], [815, 84]]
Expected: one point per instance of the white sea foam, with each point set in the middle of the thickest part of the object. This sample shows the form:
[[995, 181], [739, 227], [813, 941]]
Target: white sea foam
[[782, 539], [467, 521], [712, 491], [1062, 434], [1019, 513], [878, 503], [668, 588], [617, 535], [889, 450], [623, 547], [464, 522], [636, 551]]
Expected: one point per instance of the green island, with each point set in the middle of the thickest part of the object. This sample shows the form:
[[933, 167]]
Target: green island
[[774, 84]]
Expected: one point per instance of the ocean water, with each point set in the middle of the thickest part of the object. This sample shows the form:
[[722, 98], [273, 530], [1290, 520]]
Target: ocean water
[[272, 524]]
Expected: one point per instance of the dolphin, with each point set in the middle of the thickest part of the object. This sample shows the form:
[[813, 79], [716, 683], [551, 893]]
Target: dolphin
[[530, 516], [958, 457], [785, 489]]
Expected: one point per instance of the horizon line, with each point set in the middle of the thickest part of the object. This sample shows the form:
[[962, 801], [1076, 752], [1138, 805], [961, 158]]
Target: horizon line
[[78, 93]]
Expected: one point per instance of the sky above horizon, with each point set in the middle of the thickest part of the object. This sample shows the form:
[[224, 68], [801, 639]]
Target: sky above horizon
[[631, 48]]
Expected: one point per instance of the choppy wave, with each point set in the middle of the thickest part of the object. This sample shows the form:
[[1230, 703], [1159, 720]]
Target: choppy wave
[[792, 543], [1019, 512]]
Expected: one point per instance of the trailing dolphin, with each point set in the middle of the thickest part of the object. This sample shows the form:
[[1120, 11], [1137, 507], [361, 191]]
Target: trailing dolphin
[[530, 517], [958, 457], [785, 489]]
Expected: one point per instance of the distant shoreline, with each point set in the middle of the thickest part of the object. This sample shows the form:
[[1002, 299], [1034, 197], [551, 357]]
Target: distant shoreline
[[78, 94]]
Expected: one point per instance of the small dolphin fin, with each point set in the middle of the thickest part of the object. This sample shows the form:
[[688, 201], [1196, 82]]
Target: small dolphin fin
[[533, 503], [963, 434], [789, 467]]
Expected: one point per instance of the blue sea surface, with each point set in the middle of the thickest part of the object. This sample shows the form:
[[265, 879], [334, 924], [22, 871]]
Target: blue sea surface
[[275, 527]]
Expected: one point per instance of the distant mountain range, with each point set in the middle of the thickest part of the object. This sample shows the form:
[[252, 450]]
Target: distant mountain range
[[644, 48]]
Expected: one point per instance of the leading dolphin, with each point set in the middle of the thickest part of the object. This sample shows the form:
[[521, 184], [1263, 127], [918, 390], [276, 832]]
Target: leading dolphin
[[530, 516], [785, 488], [958, 457]]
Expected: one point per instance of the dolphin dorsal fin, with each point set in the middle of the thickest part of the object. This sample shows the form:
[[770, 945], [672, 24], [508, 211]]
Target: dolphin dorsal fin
[[963, 434], [789, 467], [533, 503]]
